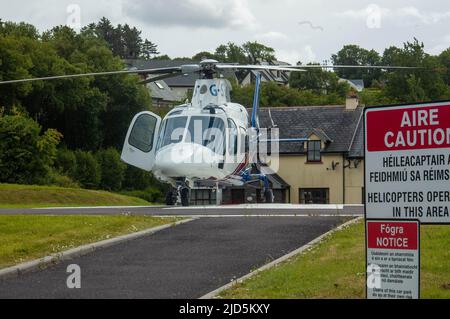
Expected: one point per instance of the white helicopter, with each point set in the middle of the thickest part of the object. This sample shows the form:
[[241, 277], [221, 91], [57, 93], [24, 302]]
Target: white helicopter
[[210, 140]]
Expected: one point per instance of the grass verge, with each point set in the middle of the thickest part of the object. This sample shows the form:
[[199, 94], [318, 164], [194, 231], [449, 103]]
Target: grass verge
[[335, 268], [24, 238], [27, 196]]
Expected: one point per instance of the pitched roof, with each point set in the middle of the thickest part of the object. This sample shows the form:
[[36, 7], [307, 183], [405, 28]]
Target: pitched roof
[[357, 147], [337, 124], [321, 134], [161, 91], [358, 85]]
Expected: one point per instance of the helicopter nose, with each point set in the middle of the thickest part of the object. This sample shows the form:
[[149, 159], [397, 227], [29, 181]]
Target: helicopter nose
[[185, 159]]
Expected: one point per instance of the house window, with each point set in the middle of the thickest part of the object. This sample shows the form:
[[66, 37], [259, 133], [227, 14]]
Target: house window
[[315, 196], [314, 151], [159, 85], [203, 197]]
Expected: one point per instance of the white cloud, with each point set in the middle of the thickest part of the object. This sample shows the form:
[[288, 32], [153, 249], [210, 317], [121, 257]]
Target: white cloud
[[305, 55], [192, 13], [404, 15], [444, 44], [424, 17], [272, 35], [365, 12]]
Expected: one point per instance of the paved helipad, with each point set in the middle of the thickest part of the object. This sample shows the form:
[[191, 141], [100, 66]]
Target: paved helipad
[[186, 261]]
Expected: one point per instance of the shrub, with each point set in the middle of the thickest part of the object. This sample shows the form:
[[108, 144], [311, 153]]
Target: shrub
[[26, 156], [151, 194], [112, 169], [88, 171], [63, 181], [66, 162], [136, 178]]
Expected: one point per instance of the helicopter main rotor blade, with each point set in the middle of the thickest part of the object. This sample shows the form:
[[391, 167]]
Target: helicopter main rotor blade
[[383, 67], [162, 77], [257, 67], [174, 70]]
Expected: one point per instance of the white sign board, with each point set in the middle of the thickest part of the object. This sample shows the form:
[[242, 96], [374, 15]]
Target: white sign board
[[393, 259], [407, 162]]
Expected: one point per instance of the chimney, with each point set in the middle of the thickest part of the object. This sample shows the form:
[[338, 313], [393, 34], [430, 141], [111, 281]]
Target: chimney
[[352, 101]]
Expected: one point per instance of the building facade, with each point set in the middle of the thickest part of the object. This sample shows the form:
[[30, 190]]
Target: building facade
[[328, 169]]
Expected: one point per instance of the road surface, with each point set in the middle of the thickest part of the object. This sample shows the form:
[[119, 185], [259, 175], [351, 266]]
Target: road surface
[[236, 210], [186, 261]]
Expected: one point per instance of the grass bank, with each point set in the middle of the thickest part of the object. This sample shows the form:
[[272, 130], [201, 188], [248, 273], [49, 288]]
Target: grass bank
[[336, 269], [24, 238], [27, 196]]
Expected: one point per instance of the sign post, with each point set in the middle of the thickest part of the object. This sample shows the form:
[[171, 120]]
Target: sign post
[[393, 259], [407, 183], [407, 162]]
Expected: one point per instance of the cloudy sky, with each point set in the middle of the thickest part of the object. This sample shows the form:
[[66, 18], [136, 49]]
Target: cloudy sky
[[297, 29]]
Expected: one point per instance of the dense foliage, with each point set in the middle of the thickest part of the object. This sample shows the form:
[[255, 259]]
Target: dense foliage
[[430, 81], [91, 113], [123, 40], [275, 95], [88, 117], [26, 153]]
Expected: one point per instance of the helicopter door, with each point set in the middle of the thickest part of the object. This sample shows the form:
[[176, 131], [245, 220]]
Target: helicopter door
[[140, 144]]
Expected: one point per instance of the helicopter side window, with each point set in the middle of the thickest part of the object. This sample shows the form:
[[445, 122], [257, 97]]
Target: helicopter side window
[[208, 131], [232, 137], [142, 134], [172, 131]]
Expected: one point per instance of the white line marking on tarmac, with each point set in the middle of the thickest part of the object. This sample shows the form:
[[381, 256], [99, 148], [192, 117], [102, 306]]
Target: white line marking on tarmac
[[95, 207], [260, 215], [264, 206]]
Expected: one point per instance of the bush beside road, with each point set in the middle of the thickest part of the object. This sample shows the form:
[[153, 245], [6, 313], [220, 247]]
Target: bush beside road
[[335, 268]]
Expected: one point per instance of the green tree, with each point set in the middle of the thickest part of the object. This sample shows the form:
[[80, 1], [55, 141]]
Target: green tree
[[112, 169], [444, 59], [91, 112], [88, 171], [257, 52], [125, 41], [274, 95], [425, 83], [132, 41], [204, 55], [318, 81], [66, 162], [355, 55], [231, 53], [104, 30], [148, 50], [248, 53], [162, 57], [26, 155], [21, 29]]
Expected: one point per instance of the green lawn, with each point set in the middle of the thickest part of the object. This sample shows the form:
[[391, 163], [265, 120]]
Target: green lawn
[[27, 196], [336, 269], [24, 238]]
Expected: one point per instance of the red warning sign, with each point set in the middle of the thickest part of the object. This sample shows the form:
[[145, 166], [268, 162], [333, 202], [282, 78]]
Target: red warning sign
[[409, 129], [398, 235]]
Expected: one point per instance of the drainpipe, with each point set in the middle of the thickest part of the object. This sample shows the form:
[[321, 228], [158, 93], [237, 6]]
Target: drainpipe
[[343, 179]]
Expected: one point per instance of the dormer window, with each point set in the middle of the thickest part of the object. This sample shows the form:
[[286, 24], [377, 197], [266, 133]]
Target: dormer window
[[314, 154]]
